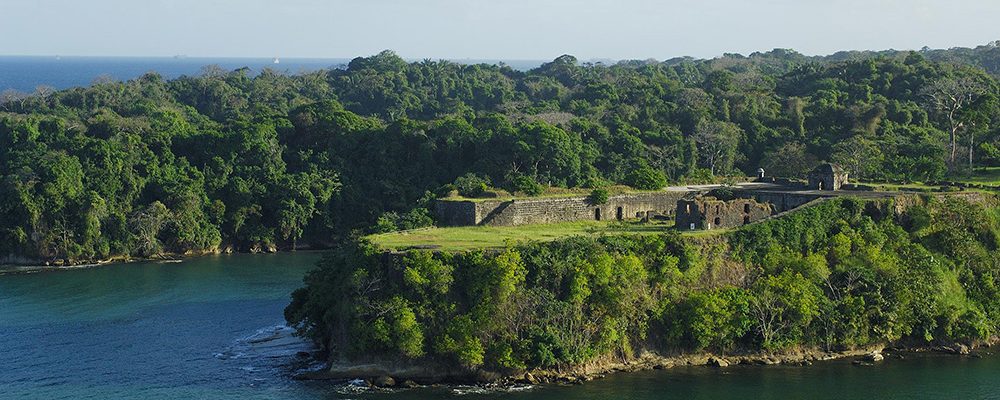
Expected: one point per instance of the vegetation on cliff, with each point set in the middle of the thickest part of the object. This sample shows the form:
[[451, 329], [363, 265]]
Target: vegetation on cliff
[[229, 158], [836, 275]]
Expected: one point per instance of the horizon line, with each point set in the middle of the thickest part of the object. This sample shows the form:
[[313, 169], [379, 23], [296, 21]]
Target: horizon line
[[299, 57]]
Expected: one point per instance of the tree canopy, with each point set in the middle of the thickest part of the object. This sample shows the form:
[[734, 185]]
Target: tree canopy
[[230, 159]]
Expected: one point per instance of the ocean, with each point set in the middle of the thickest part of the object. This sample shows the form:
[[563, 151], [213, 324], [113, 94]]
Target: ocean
[[27, 73]]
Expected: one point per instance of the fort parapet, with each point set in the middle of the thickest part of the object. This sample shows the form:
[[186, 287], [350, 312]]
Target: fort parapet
[[549, 210], [740, 204]]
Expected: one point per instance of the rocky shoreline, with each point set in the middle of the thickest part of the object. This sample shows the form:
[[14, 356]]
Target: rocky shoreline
[[384, 375], [41, 266], [15, 265]]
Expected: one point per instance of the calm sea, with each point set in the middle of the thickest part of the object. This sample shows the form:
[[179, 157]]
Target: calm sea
[[25, 74], [212, 328]]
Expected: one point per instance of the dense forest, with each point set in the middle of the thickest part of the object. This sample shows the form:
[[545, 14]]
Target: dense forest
[[235, 160], [835, 276]]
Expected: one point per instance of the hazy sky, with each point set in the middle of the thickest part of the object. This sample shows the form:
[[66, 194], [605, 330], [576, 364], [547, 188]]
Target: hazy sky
[[487, 29]]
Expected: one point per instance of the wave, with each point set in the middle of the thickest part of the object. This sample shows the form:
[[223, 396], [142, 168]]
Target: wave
[[273, 350]]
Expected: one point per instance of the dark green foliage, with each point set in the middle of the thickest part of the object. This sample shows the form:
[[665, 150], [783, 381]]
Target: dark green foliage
[[646, 178], [598, 196], [526, 185], [413, 219], [226, 159], [835, 275], [471, 185]]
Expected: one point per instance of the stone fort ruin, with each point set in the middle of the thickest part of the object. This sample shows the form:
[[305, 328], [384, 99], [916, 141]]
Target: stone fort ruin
[[827, 177], [549, 210], [711, 213], [691, 207]]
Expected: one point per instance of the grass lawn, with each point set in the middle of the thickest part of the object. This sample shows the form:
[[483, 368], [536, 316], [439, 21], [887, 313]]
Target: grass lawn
[[890, 187], [476, 237], [984, 176], [988, 176]]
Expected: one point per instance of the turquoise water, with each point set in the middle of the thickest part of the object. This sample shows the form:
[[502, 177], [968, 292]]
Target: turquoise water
[[211, 328]]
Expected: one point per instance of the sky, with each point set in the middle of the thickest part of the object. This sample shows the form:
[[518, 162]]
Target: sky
[[487, 29]]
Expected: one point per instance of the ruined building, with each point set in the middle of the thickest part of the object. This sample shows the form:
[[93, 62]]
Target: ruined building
[[515, 212], [827, 177], [712, 213]]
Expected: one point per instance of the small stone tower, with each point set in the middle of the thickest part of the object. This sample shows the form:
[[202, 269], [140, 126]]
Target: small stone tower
[[827, 177]]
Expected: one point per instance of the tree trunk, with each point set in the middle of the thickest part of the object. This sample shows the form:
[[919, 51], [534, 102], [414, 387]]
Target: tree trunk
[[954, 135], [972, 145]]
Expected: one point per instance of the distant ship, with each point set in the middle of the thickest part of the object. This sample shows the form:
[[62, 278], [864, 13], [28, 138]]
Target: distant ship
[[277, 60]]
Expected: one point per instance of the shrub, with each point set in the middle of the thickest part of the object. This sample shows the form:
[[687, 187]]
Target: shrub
[[646, 178], [598, 196], [471, 185], [413, 219], [416, 218], [386, 223], [526, 185]]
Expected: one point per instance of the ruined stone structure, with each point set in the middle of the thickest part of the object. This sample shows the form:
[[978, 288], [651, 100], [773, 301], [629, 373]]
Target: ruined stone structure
[[548, 210], [782, 200], [751, 203], [712, 213], [827, 177]]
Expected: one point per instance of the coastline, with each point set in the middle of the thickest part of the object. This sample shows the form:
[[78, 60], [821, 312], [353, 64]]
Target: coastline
[[406, 375], [35, 266]]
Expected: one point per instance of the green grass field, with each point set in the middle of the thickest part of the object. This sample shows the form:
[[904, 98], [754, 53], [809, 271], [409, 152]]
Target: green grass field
[[987, 176], [984, 176], [476, 237]]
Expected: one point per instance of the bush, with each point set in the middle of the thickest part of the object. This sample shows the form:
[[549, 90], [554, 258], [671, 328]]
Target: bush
[[391, 221], [416, 218], [526, 185], [386, 223], [471, 185], [598, 196], [646, 178]]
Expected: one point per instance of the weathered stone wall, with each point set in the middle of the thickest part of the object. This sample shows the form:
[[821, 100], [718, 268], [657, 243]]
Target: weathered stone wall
[[548, 210], [827, 177], [712, 213], [455, 213], [781, 200]]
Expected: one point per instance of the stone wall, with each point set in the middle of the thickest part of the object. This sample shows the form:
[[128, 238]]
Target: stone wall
[[548, 210], [827, 177], [626, 206], [712, 213], [781, 200], [455, 213]]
